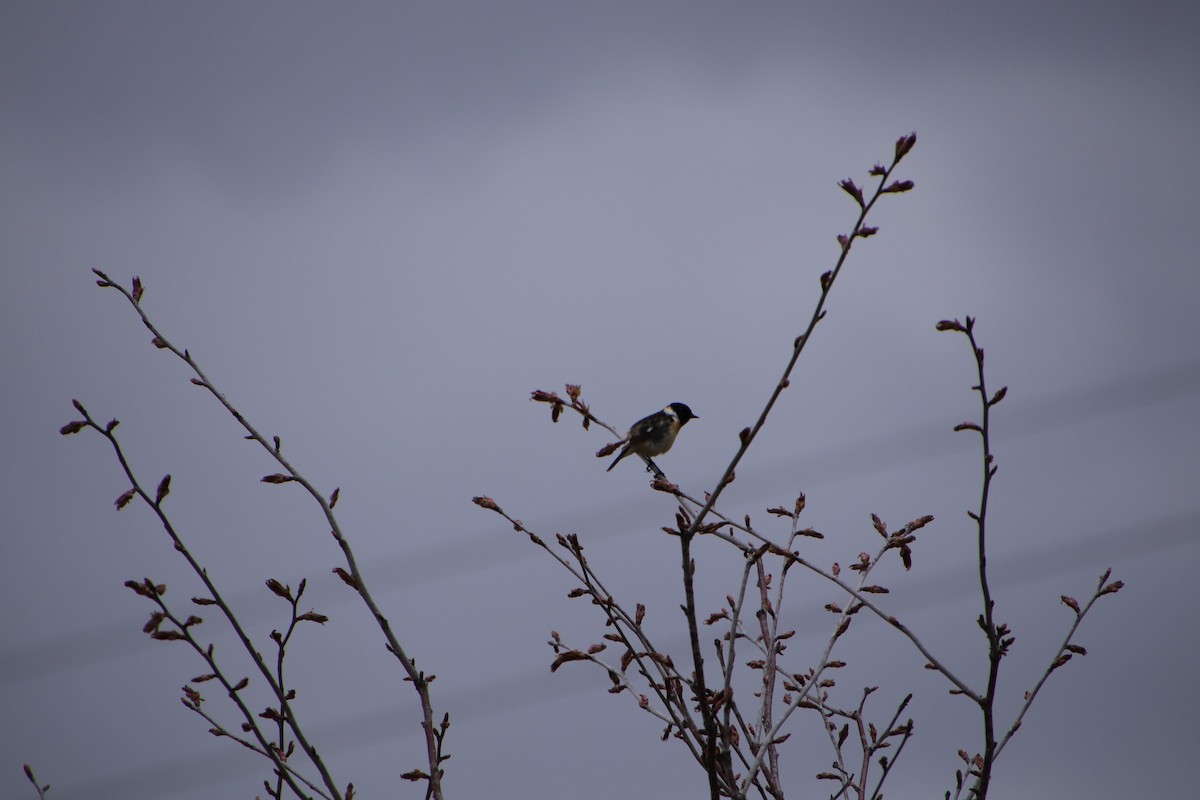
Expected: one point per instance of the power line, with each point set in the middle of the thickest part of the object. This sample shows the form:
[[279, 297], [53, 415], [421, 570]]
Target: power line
[[441, 560]]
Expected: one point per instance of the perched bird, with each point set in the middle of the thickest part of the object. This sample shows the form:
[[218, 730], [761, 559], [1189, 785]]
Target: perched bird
[[654, 435]]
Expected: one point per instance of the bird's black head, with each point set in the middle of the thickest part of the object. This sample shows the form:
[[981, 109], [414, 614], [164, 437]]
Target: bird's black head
[[683, 412]]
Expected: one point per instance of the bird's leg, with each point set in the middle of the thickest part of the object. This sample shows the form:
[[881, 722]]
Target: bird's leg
[[652, 467]]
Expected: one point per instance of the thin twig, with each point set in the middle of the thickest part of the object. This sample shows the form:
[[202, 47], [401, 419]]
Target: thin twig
[[1064, 653], [37, 787], [905, 733], [987, 620]]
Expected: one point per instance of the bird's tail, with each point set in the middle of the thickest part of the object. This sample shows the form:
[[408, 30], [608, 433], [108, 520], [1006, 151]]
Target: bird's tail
[[624, 452]]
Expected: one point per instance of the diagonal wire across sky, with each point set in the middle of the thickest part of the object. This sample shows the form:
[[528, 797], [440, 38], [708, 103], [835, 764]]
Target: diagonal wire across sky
[[443, 559]]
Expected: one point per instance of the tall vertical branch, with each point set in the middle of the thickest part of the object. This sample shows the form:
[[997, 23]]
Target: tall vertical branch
[[999, 636], [994, 634]]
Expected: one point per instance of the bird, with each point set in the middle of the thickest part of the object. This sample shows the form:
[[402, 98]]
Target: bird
[[654, 435]]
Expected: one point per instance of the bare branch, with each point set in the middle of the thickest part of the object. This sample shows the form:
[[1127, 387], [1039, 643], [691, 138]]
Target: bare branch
[[289, 474]]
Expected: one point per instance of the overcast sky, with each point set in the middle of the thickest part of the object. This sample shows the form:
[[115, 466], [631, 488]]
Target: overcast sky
[[378, 226]]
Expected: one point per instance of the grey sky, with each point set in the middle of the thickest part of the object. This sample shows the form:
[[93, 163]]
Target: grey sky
[[379, 225]]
